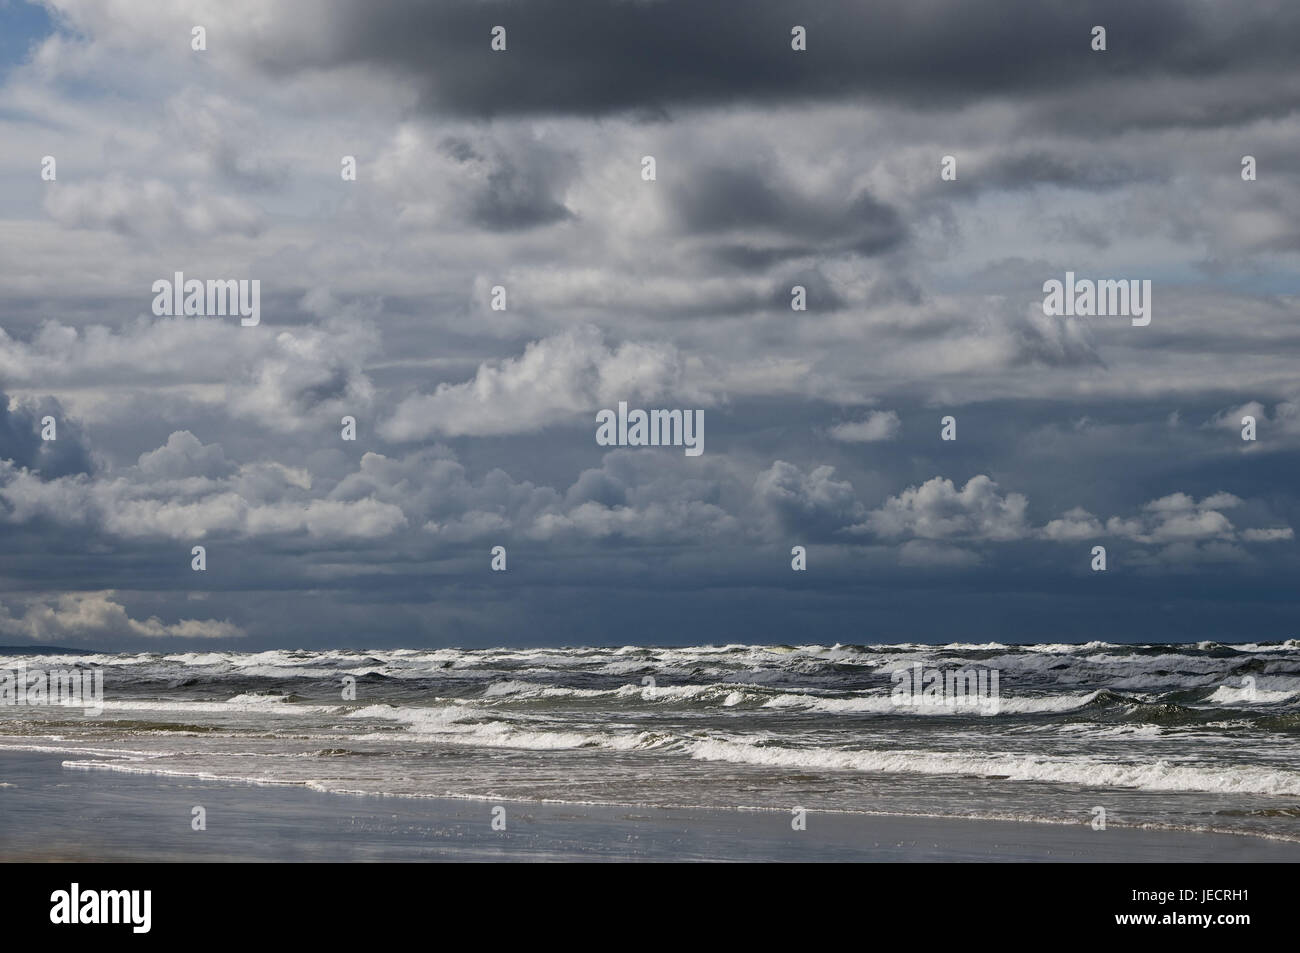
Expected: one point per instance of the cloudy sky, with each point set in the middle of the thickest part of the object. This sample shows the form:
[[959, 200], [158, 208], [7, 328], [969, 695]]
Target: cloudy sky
[[523, 168]]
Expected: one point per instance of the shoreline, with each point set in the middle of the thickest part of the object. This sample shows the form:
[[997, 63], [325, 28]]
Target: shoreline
[[49, 813], [130, 769]]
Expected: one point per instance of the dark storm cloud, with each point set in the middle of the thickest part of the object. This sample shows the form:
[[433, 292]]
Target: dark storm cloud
[[716, 201], [595, 57], [820, 293], [21, 443], [1039, 167], [515, 192], [712, 200]]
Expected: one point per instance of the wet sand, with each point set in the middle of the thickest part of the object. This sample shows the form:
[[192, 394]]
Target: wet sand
[[52, 813]]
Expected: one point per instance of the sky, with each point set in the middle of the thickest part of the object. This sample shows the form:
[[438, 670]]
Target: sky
[[523, 169]]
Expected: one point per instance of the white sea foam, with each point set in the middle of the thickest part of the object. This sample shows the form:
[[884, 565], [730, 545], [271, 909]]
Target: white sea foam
[[262, 704], [464, 725], [516, 689], [1228, 695], [1159, 775], [884, 704]]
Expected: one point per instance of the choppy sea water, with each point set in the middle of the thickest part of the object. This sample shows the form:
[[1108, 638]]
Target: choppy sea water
[[1202, 736]]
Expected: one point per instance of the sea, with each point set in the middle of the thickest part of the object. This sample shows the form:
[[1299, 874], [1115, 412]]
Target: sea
[[1199, 737]]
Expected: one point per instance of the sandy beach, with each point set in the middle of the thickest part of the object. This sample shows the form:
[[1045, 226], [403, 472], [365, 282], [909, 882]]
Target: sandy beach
[[51, 813]]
